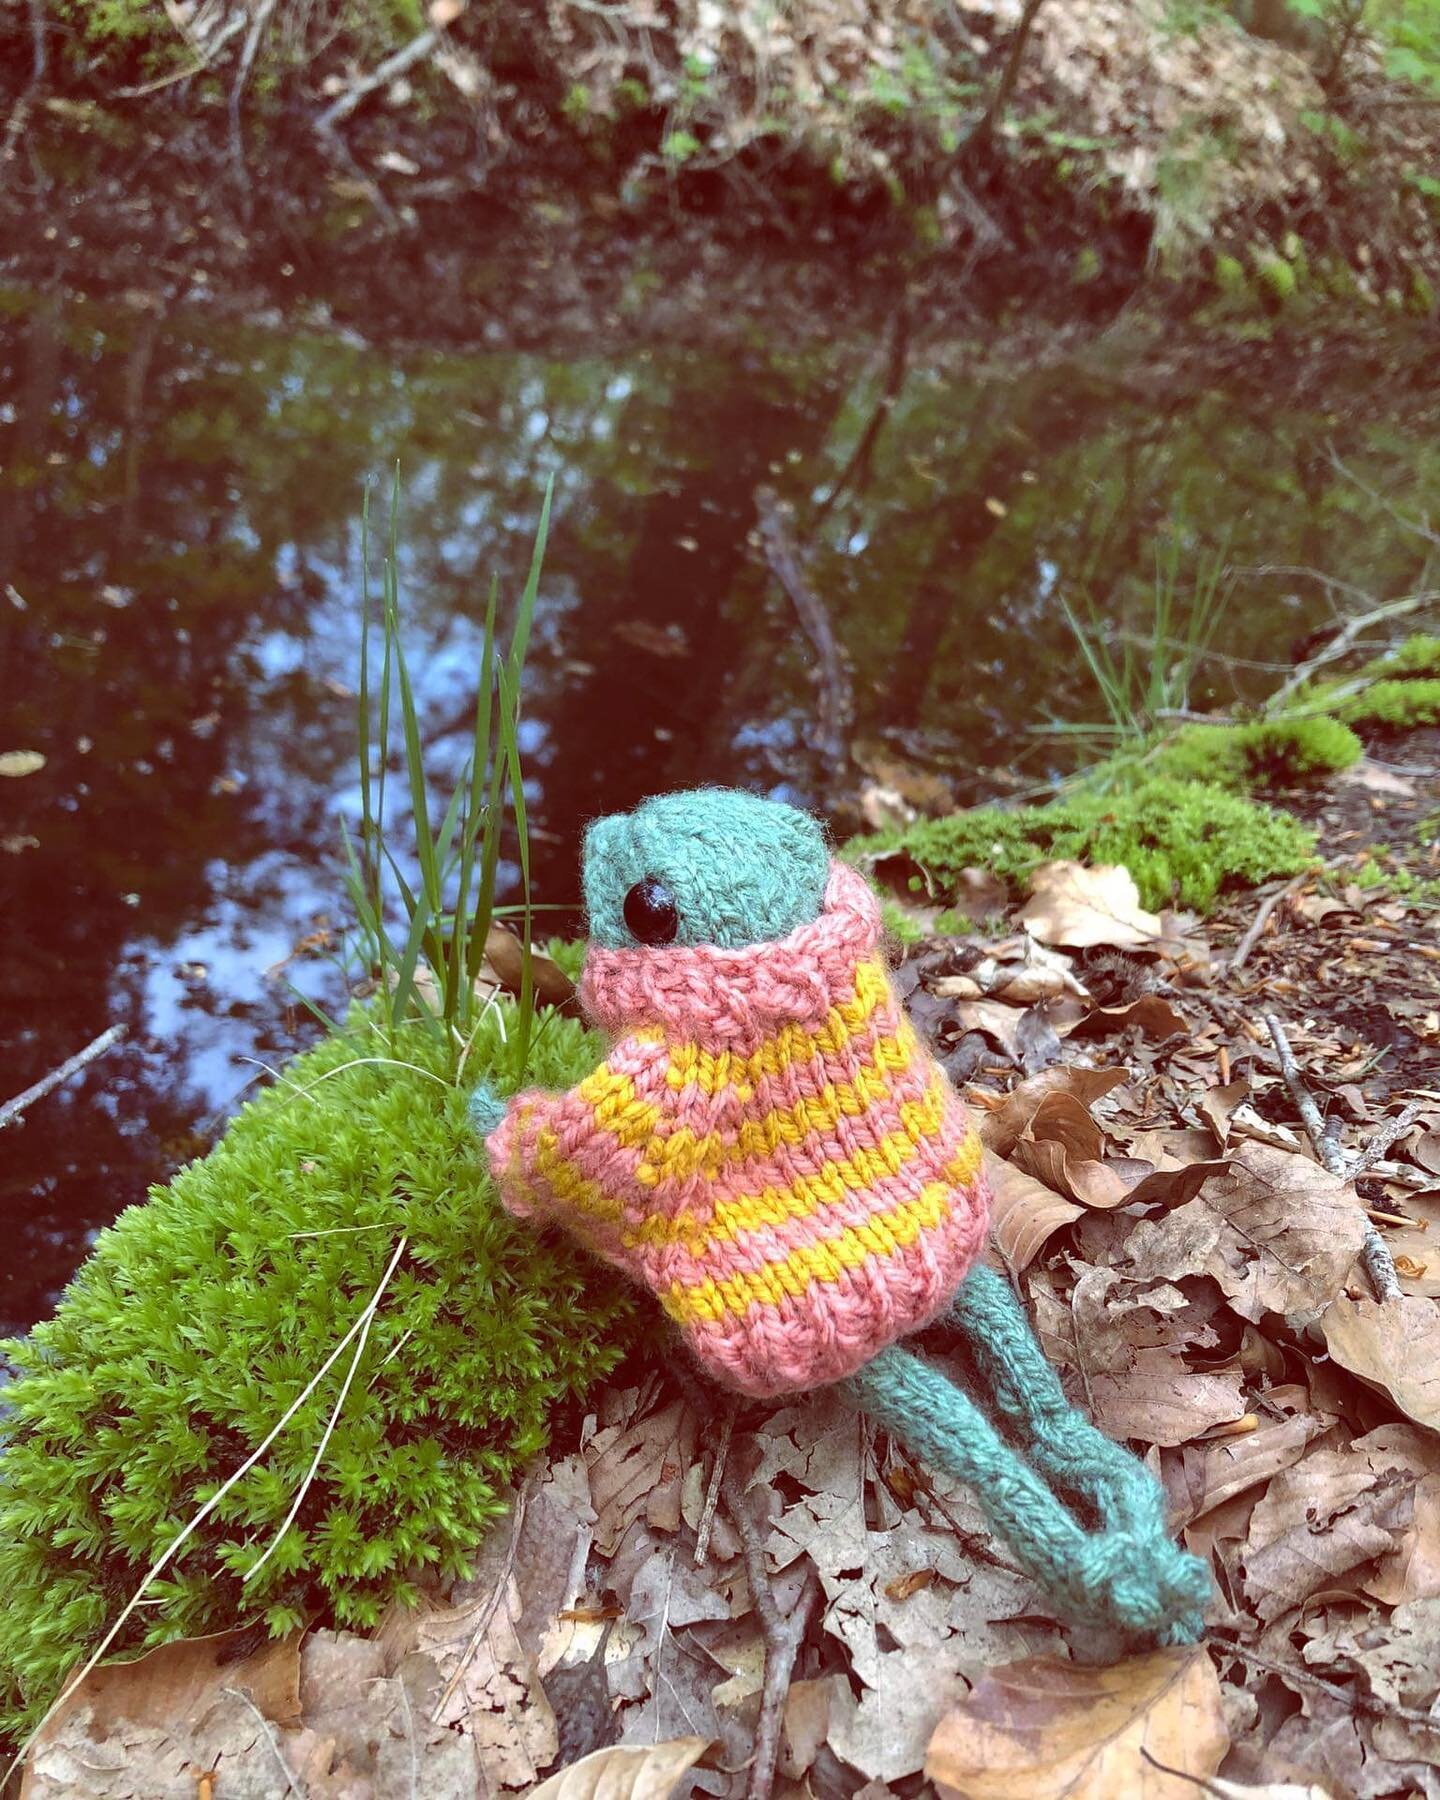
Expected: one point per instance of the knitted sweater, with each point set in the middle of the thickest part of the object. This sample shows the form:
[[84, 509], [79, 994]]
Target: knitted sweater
[[768, 1147]]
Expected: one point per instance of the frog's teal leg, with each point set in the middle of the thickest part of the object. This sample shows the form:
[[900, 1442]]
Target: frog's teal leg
[[1128, 1572]]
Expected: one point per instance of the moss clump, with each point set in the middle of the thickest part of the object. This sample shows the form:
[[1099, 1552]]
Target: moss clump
[[1417, 657], [1185, 842], [1265, 754], [1398, 705], [202, 1314]]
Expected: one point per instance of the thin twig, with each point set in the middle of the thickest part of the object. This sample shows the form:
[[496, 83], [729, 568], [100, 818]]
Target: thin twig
[[1389, 1133], [712, 1493], [1379, 1263], [271, 1739], [1344, 639], [20, 115], [14, 1109], [1354, 1698], [390, 70], [502, 1581], [1261, 920]]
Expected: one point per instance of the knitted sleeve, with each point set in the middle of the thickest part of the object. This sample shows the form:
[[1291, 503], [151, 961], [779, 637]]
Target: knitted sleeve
[[570, 1159]]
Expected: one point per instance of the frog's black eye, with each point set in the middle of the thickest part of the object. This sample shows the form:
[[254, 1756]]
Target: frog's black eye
[[650, 913]]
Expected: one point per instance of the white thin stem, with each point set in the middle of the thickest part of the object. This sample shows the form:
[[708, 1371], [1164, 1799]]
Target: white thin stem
[[367, 1319], [163, 1562]]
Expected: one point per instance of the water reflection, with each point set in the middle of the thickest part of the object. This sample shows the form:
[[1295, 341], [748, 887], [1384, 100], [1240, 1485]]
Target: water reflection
[[179, 535]]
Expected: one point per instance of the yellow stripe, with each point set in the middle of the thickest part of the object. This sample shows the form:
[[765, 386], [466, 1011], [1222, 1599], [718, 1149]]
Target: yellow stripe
[[807, 1194], [568, 1184], [710, 1302], [714, 1070], [682, 1154]]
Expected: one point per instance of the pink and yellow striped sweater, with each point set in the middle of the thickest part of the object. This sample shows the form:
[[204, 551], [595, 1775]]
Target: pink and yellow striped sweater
[[768, 1147]]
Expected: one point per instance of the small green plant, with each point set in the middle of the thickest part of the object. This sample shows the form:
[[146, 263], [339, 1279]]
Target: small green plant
[[1185, 842], [1145, 678], [300, 1376], [448, 910]]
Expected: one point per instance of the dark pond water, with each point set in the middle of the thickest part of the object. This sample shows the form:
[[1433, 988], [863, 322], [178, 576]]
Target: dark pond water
[[180, 560]]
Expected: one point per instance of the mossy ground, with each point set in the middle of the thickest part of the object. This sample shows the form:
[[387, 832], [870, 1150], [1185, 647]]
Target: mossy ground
[[202, 1313], [1185, 842], [1180, 811]]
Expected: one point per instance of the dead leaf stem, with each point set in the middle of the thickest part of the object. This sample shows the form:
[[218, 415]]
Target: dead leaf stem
[[292, 1785]]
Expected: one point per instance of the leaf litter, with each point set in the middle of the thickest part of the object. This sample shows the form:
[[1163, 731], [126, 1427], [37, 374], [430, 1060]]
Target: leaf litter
[[1194, 1271]]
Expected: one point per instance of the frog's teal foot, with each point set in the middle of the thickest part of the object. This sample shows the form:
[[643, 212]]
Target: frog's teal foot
[[487, 1109], [1123, 1570]]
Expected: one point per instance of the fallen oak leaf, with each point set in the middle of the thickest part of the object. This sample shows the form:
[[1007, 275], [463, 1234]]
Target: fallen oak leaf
[[1392, 1345], [1045, 1730], [1275, 1230], [1151, 1014], [1024, 1213], [1004, 1120], [1085, 908], [625, 1772], [1062, 1146]]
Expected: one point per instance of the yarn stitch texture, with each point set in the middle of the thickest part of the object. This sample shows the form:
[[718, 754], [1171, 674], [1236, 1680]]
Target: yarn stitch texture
[[768, 1147]]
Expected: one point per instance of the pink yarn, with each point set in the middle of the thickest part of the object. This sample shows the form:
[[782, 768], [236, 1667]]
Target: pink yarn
[[794, 1204]]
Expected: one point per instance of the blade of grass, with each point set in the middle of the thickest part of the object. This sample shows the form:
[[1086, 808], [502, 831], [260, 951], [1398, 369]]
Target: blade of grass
[[509, 736]]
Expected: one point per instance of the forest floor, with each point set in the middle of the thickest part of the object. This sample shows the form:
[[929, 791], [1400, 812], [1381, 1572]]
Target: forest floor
[[1192, 1254]]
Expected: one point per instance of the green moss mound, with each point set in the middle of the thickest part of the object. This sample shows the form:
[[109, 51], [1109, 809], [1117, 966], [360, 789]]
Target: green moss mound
[[1185, 842], [1394, 705], [1268, 753], [1417, 656], [202, 1314]]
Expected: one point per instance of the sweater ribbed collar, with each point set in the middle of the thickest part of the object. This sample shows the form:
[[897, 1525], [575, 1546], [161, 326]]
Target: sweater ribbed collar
[[734, 999]]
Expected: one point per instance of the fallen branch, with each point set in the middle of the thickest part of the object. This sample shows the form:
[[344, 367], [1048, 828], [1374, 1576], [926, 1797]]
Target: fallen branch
[[1261, 920], [1352, 1697], [20, 116], [837, 701], [783, 1633], [14, 1110], [1343, 641], [390, 70], [1379, 1264], [712, 1493], [783, 1636]]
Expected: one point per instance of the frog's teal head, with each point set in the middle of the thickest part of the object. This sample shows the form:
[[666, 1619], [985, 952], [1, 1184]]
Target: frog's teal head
[[712, 866]]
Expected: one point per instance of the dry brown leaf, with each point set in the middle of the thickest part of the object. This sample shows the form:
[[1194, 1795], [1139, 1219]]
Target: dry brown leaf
[[1219, 1104], [1024, 1213], [1042, 1730], [1001, 1124], [625, 1772], [1157, 1400], [1393, 1345], [1275, 1230], [640, 1469], [1062, 1145], [505, 954], [1085, 908], [21, 762], [1322, 1518], [1151, 1014], [1235, 1465]]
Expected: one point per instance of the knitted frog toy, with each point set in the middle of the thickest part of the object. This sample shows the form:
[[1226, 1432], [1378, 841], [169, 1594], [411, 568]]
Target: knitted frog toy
[[769, 1148]]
